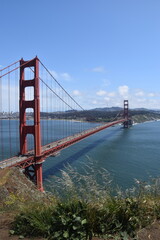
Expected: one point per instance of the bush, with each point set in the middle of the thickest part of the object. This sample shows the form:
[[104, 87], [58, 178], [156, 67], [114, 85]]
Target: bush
[[69, 221]]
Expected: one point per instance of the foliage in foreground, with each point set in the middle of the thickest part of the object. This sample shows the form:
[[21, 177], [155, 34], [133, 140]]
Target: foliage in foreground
[[80, 214]]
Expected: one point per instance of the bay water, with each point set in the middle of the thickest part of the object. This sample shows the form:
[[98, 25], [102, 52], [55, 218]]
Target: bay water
[[127, 154]]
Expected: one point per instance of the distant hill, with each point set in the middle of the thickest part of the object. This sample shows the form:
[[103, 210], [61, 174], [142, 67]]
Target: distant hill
[[146, 109], [112, 109], [107, 109], [140, 109]]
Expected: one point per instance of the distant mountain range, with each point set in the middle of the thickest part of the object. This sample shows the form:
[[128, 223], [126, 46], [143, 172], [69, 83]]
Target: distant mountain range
[[107, 109], [111, 109]]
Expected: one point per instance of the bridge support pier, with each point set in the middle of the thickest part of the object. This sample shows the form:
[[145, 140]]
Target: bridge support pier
[[39, 176], [34, 173]]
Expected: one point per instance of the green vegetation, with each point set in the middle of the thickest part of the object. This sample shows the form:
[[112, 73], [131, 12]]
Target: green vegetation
[[105, 115], [85, 207]]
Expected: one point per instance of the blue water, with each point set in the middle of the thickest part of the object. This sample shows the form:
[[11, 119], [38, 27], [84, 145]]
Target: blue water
[[127, 154]]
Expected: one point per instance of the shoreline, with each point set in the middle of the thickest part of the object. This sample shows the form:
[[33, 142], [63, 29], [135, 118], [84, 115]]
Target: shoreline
[[135, 121]]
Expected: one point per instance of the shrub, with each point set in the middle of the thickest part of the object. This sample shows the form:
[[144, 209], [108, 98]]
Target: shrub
[[69, 221]]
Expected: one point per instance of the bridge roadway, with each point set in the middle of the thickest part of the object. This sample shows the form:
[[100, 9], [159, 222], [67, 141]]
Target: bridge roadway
[[53, 148]]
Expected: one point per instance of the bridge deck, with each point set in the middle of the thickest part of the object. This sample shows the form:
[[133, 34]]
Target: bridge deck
[[53, 148]]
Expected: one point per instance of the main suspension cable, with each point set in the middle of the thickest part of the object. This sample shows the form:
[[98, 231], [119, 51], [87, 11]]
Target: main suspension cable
[[61, 86], [9, 66], [55, 92], [15, 68]]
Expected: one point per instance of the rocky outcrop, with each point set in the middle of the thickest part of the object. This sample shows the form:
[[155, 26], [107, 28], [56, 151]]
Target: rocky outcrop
[[14, 182]]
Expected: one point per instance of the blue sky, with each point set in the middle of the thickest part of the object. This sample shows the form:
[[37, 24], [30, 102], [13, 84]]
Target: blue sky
[[101, 51]]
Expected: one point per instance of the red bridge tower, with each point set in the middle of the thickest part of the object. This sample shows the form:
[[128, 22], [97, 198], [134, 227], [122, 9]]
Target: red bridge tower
[[34, 172], [125, 114]]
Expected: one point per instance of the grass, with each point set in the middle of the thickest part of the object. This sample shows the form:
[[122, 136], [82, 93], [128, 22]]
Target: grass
[[4, 177], [85, 207]]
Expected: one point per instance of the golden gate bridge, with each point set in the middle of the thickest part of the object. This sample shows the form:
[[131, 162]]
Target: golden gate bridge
[[29, 98]]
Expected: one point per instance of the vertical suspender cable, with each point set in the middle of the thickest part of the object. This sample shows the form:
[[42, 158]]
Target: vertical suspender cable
[[65, 123], [47, 107], [56, 110], [9, 113], [51, 110], [1, 121], [16, 110], [42, 108]]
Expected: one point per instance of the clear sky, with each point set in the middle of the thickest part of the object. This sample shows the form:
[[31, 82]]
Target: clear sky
[[101, 51]]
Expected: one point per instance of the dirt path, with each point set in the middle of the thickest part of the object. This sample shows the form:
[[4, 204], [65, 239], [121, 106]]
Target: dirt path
[[5, 223]]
